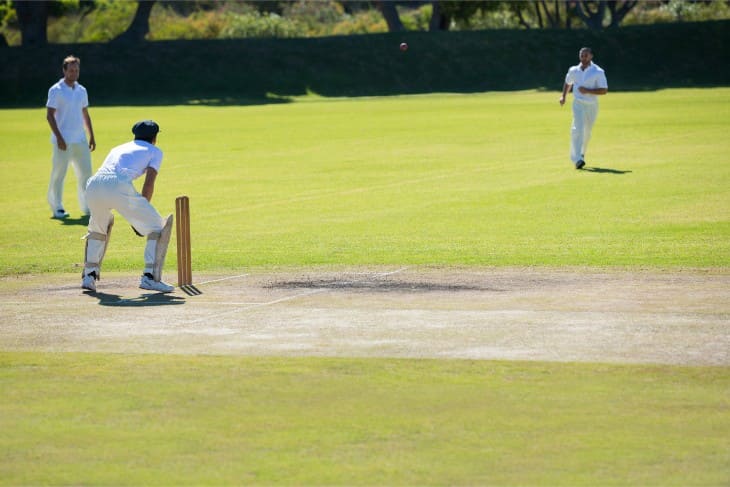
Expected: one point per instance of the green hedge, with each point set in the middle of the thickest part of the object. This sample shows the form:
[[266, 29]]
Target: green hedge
[[252, 70]]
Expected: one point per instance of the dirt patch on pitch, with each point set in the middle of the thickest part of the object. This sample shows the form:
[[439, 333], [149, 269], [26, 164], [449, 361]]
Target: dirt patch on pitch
[[334, 284], [671, 317]]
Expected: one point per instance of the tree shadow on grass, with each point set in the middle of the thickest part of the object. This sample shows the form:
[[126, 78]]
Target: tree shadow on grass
[[604, 170], [148, 299]]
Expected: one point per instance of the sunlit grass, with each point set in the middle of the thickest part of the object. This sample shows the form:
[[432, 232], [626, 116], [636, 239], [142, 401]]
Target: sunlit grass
[[163, 420], [438, 179]]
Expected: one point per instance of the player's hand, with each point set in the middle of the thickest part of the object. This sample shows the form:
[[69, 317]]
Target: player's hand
[[61, 143], [92, 144], [561, 101]]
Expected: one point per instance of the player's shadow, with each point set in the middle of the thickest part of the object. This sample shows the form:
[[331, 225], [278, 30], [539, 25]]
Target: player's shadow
[[82, 220], [604, 170], [149, 299]]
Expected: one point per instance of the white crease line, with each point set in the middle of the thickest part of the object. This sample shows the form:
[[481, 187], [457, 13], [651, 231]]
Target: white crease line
[[62, 304], [288, 298], [384, 274], [377, 274], [221, 279], [247, 305]]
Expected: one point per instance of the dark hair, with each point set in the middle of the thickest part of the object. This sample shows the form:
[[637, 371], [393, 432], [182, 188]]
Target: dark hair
[[590, 51], [71, 59], [146, 139]]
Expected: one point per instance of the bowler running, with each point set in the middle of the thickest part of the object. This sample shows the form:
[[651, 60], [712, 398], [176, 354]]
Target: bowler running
[[588, 81]]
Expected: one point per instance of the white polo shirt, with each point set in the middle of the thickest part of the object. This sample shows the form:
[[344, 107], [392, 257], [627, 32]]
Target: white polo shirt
[[69, 103], [129, 161], [592, 77]]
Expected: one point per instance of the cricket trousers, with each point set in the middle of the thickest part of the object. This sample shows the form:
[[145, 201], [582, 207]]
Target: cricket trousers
[[107, 192], [79, 156], [584, 116]]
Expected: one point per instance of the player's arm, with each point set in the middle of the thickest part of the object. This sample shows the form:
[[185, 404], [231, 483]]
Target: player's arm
[[566, 87], [149, 183], [593, 91], [147, 189], [89, 128], [51, 117]]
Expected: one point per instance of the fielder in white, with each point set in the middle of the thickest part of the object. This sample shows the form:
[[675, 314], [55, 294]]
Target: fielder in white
[[67, 114], [110, 189], [588, 81]]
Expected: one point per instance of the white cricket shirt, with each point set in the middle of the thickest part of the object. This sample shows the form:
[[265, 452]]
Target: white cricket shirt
[[593, 77], [129, 161], [69, 103]]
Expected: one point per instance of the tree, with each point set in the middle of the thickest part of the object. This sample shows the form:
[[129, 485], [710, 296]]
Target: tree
[[390, 14], [542, 14], [439, 21], [33, 21], [517, 9], [446, 11], [33, 17], [140, 25], [553, 14], [593, 13], [559, 14], [619, 10]]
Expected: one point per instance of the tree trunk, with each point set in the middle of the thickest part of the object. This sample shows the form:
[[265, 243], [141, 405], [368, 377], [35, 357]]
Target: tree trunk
[[33, 20], [593, 20], [140, 26], [539, 15], [439, 20], [390, 14], [556, 23], [618, 14], [516, 9]]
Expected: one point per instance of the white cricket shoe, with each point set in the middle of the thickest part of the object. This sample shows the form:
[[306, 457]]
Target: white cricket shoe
[[60, 214], [88, 281], [147, 282]]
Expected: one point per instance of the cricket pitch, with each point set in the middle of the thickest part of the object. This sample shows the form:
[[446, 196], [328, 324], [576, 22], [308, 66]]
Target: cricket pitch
[[574, 315]]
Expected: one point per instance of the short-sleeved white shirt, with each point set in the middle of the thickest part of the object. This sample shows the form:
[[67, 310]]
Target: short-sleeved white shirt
[[593, 77], [129, 161], [69, 104]]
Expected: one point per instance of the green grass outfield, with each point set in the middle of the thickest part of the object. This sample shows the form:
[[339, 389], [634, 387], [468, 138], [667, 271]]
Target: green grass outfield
[[70, 419], [462, 180], [440, 179]]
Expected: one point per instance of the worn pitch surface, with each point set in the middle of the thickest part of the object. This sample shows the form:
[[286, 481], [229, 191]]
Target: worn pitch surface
[[667, 317]]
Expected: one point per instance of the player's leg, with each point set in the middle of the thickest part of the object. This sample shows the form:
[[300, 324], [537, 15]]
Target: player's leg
[[577, 130], [148, 222], [97, 241], [154, 253], [101, 196], [81, 161], [59, 166], [590, 113]]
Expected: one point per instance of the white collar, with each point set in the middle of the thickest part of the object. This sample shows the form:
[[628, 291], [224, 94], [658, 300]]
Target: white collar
[[64, 84]]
